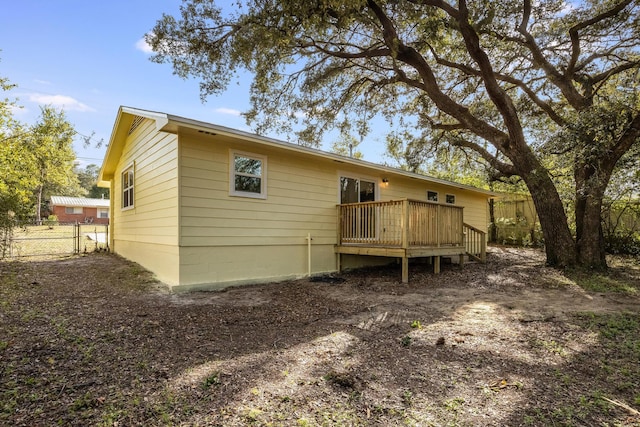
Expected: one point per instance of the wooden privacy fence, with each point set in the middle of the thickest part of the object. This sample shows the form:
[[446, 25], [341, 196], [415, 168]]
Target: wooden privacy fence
[[400, 223]]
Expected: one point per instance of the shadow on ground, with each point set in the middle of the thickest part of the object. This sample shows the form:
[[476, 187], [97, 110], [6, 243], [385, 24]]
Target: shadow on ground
[[96, 341]]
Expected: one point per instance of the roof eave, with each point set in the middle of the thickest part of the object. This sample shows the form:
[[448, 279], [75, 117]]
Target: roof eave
[[174, 123], [119, 133]]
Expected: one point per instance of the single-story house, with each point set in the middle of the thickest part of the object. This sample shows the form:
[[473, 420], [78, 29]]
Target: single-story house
[[80, 209], [206, 206]]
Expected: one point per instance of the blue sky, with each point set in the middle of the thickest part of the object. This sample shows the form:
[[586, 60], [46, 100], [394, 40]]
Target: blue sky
[[88, 58]]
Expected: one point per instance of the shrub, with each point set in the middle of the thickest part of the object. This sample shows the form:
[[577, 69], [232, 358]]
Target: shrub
[[627, 244], [51, 221]]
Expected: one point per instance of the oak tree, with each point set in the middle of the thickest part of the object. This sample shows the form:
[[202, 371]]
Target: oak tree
[[522, 84]]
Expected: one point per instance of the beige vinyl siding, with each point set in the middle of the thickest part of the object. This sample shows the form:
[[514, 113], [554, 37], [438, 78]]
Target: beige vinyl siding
[[148, 233], [227, 239], [191, 229], [232, 239], [267, 237], [301, 198], [475, 204]]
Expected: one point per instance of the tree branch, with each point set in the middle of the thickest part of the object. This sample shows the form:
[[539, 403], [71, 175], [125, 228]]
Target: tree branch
[[429, 84], [613, 71], [506, 169], [630, 136], [558, 79], [544, 106], [575, 35]]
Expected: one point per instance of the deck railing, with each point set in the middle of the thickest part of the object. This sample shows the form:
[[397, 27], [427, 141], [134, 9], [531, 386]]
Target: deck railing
[[401, 223], [475, 243]]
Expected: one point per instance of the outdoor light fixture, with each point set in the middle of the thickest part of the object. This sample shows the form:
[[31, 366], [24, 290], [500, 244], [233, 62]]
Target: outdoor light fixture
[[385, 182]]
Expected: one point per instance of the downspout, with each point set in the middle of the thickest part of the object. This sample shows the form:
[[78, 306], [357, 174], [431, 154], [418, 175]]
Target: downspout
[[309, 254], [112, 212]]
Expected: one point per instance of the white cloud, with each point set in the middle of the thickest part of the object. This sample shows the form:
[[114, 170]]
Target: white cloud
[[18, 110], [42, 82], [143, 46], [62, 101], [229, 111]]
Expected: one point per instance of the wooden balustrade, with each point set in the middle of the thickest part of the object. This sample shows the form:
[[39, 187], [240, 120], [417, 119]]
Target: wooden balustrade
[[400, 223], [475, 243], [407, 229]]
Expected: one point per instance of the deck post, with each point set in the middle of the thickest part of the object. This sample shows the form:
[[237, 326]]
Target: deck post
[[405, 224], [405, 240], [438, 226], [436, 264], [338, 225], [405, 269]]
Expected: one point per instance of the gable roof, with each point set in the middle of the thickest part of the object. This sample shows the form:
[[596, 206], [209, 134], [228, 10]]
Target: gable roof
[[128, 118], [79, 202]]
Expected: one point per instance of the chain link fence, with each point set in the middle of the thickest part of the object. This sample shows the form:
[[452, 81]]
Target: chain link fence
[[58, 239]]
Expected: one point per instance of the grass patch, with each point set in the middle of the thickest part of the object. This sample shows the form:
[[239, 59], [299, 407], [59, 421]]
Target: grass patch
[[212, 380], [620, 337], [603, 283], [612, 366], [623, 276]]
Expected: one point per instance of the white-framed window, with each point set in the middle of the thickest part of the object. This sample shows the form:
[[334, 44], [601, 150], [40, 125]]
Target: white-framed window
[[73, 210], [432, 196], [450, 199], [354, 190], [127, 188], [103, 212], [248, 175]]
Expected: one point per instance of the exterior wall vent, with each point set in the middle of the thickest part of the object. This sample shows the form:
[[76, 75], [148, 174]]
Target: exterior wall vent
[[205, 132], [134, 125]]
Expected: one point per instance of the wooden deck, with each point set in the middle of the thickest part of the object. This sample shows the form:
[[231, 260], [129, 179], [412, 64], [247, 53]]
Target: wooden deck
[[407, 229]]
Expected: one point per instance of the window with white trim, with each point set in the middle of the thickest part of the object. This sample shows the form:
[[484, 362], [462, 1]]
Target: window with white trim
[[73, 210], [450, 198], [248, 175], [127, 188], [103, 212], [432, 196]]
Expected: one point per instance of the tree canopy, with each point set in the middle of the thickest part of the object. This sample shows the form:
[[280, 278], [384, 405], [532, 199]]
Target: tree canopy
[[16, 172], [88, 178], [50, 145], [527, 86], [35, 161]]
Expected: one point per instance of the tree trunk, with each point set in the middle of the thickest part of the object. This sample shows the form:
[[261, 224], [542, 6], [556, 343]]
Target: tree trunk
[[588, 215], [39, 204], [493, 230], [590, 239], [558, 241]]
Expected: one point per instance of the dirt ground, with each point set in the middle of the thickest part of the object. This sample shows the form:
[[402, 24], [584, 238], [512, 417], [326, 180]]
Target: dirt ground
[[95, 340]]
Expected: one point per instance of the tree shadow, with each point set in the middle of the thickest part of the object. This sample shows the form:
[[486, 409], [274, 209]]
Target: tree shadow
[[89, 344]]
